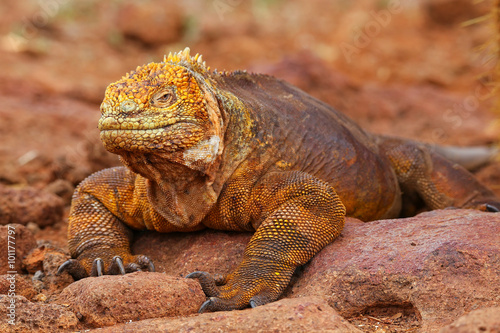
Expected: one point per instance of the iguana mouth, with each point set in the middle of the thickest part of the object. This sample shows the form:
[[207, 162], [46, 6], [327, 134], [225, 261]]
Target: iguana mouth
[[138, 124], [166, 137]]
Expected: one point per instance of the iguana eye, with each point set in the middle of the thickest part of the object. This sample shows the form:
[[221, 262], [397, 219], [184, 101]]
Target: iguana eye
[[163, 98]]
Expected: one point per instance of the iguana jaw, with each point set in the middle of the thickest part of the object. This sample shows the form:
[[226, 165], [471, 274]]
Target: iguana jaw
[[183, 142]]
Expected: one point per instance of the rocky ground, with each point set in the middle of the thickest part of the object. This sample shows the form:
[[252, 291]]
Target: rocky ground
[[409, 68]]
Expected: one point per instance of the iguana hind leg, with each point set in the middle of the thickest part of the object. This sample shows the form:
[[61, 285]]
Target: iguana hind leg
[[295, 216], [439, 182]]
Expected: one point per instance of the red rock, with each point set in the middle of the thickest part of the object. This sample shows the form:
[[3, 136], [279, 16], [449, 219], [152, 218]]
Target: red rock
[[108, 300], [182, 253], [29, 205], [16, 238], [17, 284], [47, 259], [309, 314], [35, 317], [433, 267], [34, 260], [482, 320]]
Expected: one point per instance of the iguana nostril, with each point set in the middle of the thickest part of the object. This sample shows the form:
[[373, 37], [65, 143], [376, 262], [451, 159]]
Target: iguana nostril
[[105, 107], [108, 123], [129, 106]]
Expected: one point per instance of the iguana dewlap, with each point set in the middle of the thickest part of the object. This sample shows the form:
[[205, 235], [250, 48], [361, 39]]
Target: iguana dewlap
[[239, 151]]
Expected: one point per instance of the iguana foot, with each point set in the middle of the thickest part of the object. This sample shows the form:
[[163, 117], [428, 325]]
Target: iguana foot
[[85, 267], [490, 207], [493, 207], [485, 205], [255, 282]]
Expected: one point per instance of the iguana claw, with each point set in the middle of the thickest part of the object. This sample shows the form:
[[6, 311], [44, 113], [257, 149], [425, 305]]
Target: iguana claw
[[117, 266], [205, 305], [97, 267], [218, 304], [142, 261], [64, 266], [76, 268], [491, 208]]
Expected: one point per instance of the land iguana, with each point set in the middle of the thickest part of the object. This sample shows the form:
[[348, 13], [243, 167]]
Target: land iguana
[[244, 152]]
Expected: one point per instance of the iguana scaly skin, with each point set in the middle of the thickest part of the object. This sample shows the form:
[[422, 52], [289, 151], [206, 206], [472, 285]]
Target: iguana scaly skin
[[238, 151]]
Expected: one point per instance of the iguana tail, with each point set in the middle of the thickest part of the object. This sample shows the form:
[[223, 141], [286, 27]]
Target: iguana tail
[[470, 158]]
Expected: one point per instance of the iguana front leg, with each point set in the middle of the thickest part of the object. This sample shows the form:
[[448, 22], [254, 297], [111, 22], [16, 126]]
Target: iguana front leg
[[295, 215], [104, 206]]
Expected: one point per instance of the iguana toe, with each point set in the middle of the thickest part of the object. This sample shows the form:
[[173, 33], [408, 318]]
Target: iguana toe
[[492, 208], [97, 267], [487, 205], [144, 262], [218, 304], [85, 267], [207, 282], [236, 302], [74, 268], [117, 266]]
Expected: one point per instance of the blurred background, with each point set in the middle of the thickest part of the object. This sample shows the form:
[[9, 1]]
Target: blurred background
[[416, 68]]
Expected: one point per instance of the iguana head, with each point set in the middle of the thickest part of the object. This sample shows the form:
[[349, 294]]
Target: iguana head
[[166, 110]]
